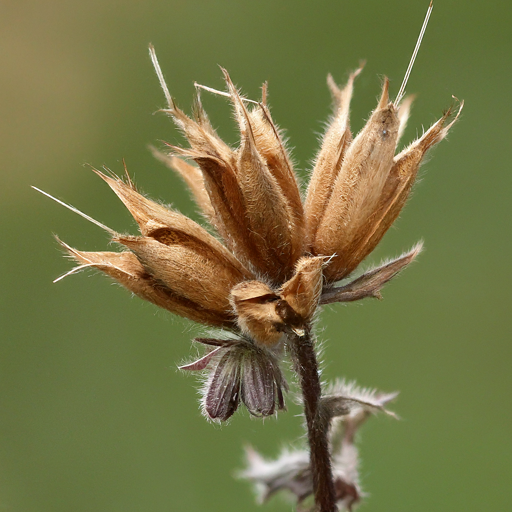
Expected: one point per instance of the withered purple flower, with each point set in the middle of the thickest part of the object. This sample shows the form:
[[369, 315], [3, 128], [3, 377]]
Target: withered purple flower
[[272, 262], [239, 370]]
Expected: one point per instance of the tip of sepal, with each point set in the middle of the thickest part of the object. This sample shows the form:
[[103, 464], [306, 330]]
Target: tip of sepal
[[453, 112], [338, 93], [384, 97]]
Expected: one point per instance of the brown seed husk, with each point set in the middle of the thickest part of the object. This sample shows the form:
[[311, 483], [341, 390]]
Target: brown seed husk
[[217, 162], [183, 265], [255, 305], [127, 270], [399, 184], [267, 210], [270, 145], [357, 190], [302, 292], [170, 227], [335, 143]]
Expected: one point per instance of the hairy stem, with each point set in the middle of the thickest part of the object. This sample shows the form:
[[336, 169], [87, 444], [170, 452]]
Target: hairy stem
[[306, 366]]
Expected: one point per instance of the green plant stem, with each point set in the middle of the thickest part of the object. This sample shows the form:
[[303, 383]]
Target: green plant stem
[[306, 366]]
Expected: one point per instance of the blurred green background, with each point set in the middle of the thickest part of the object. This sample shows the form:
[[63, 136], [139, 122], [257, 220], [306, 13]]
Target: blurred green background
[[94, 415]]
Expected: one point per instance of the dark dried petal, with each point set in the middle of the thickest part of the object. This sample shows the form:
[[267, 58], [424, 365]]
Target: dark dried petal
[[215, 342], [347, 493], [258, 385], [241, 370], [262, 382], [223, 395]]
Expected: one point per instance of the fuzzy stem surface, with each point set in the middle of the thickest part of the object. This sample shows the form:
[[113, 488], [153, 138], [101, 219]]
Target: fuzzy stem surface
[[306, 366]]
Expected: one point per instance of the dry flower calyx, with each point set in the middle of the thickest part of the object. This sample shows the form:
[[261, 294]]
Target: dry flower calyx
[[273, 261]]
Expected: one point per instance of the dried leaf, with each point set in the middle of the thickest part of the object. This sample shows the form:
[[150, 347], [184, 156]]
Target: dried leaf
[[372, 281]]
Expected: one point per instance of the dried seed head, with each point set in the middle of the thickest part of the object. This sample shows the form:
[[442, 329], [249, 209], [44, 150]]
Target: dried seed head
[[278, 260]]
